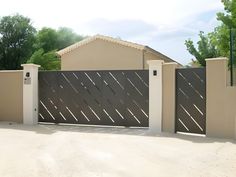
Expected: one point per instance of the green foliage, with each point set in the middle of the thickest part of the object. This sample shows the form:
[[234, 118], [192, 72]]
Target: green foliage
[[221, 39], [19, 42], [216, 43], [47, 39], [229, 16], [48, 60], [67, 37], [206, 49], [228, 19], [17, 36]]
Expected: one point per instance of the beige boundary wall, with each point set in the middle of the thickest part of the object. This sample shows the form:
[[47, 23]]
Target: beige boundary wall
[[11, 96], [221, 100]]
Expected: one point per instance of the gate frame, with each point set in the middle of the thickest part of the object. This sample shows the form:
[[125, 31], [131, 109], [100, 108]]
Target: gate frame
[[176, 105], [131, 107]]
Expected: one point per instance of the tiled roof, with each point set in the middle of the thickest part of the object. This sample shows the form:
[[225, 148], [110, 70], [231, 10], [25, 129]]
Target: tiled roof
[[105, 38]]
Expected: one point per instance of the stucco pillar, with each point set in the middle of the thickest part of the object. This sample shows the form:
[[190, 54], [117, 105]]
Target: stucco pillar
[[155, 95], [169, 95], [30, 94], [221, 100]]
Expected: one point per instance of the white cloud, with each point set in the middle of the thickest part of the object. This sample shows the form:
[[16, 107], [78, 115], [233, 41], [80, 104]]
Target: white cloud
[[72, 12], [148, 21]]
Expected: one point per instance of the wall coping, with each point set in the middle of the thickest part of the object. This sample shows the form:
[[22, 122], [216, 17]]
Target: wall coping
[[30, 65], [217, 59], [155, 62], [10, 71], [171, 63]]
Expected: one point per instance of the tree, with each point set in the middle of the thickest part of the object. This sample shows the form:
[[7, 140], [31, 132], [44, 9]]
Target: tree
[[48, 60], [67, 37], [221, 38], [206, 49], [228, 19], [17, 36], [48, 41], [216, 43], [229, 16]]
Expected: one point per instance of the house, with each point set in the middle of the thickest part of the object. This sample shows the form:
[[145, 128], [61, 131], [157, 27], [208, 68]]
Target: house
[[106, 53]]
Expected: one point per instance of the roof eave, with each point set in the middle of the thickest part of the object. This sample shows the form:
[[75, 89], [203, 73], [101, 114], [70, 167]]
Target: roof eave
[[149, 49]]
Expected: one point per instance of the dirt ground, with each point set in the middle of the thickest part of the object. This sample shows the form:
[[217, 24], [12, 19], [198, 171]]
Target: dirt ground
[[72, 151]]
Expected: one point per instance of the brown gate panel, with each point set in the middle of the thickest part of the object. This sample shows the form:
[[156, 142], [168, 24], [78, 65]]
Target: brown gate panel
[[48, 98], [118, 98], [191, 100]]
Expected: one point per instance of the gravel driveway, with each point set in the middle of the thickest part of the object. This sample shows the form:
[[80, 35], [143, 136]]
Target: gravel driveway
[[72, 151]]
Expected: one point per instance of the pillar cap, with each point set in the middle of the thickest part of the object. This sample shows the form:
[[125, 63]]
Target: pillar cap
[[155, 62], [171, 63], [217, 59], [31, 65]]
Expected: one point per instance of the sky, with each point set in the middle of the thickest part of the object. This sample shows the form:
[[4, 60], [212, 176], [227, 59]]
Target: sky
[[163, 25]]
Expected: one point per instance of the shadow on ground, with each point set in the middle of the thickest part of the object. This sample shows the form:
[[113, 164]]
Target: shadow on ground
[[54, 128]]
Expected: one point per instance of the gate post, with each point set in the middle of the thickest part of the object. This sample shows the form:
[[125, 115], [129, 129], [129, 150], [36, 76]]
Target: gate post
[[155, 95], [30, 94], [169, 97]]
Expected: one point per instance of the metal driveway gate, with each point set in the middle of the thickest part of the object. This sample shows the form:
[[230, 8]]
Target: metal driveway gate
[[118, 98], [191, 100]]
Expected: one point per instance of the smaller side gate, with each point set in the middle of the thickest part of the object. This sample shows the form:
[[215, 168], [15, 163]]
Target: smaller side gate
[[191, 100]]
